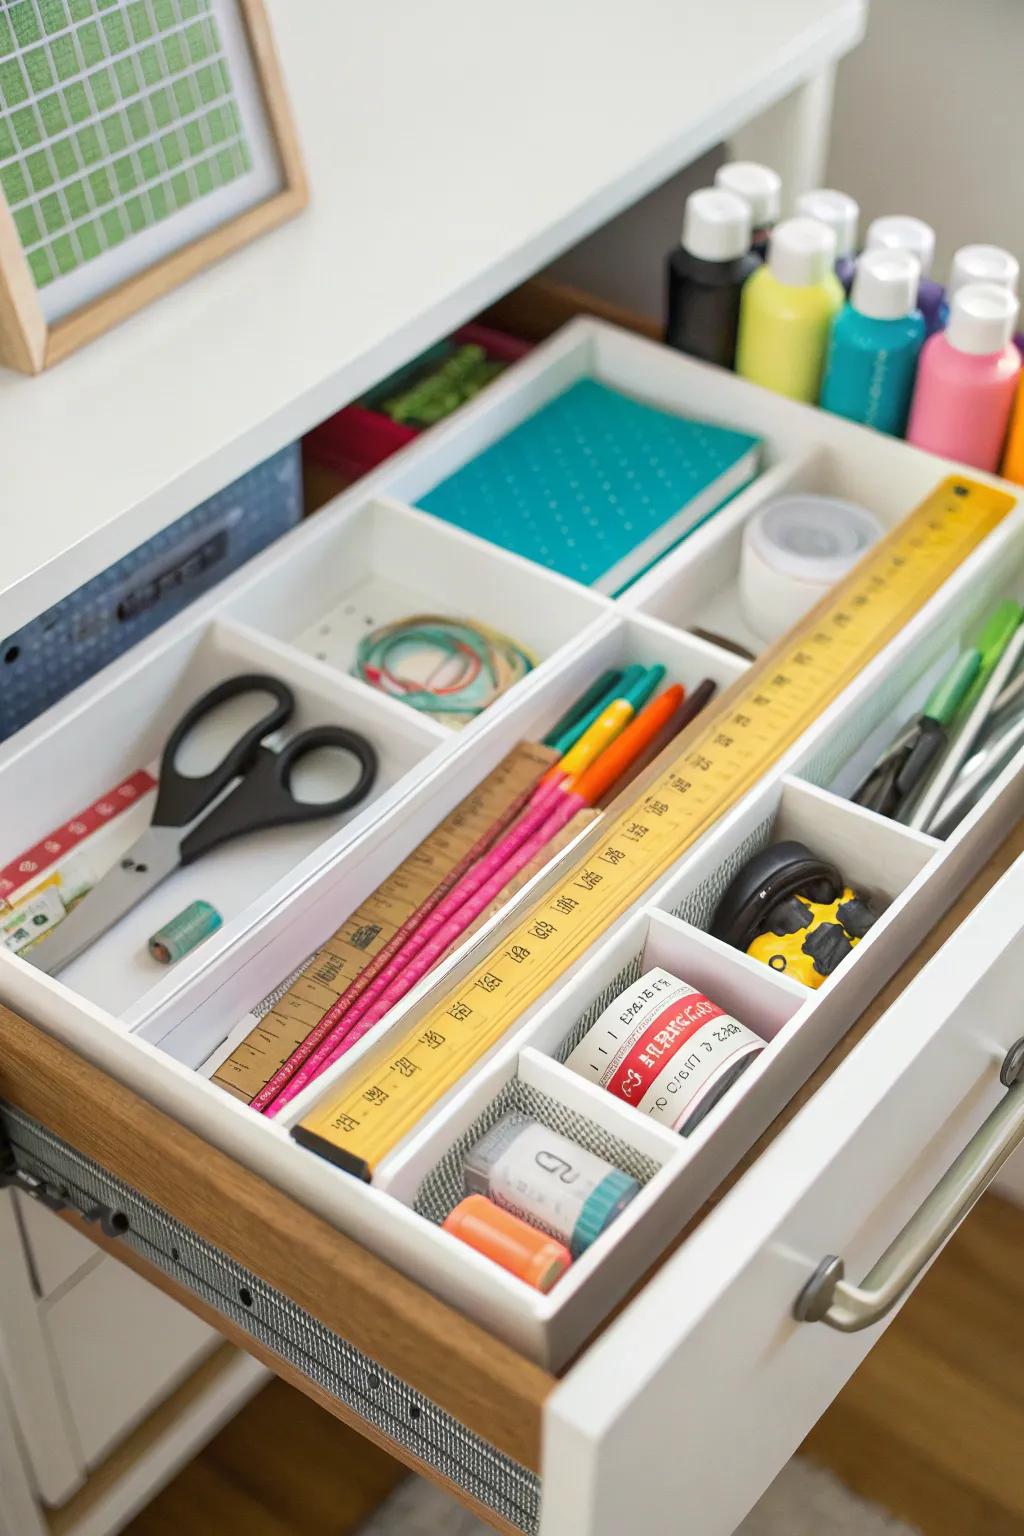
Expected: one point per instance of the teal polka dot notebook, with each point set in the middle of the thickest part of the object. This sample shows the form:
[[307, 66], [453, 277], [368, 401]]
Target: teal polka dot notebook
[[596, 485]]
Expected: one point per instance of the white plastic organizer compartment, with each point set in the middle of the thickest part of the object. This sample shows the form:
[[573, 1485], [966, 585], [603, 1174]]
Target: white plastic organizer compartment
[[552, 1327], [697, 584], [384, 561], [109, 730], [306, 896], [201, 1014]]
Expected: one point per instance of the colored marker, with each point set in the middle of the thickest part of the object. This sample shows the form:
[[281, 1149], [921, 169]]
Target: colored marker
[[610, 723], [450, 921], [630, 677], [687, 712], [595, 694]]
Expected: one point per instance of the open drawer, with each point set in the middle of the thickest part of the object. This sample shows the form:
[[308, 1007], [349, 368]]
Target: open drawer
[[679, 1414], [538, 1408]]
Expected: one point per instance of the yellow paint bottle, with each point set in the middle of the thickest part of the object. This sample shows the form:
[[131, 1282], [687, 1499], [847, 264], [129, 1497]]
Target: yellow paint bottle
[[787, 308], [1013, 454]]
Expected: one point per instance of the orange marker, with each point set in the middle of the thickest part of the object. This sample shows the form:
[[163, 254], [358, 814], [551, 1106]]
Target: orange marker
[[594, 782], [530, 1255], [609, 725]]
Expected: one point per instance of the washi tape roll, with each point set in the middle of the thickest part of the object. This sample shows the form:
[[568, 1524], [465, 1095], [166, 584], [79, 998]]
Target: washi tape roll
[[548, 1180], [667, 1049], [532, 1256], [794, 550]]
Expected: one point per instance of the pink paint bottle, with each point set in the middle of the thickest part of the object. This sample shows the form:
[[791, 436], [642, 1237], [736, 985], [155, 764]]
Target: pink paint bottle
[[967, 378]]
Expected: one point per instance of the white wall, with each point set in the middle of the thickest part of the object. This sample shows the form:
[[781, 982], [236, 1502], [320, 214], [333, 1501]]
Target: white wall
[[929, 119]]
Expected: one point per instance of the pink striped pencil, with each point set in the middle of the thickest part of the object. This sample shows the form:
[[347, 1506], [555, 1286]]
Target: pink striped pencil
[[364, 1015]]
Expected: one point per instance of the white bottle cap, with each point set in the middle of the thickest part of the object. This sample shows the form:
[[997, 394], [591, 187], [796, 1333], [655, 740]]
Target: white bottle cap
[[835, 209], [716, 225], [983, 264], [759, 187], [982, 318], [900, 232], [885, 284], [801, 252], [794, 549]]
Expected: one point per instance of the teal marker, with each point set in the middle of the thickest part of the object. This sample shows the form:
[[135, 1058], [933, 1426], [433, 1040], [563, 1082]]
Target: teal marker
[[600, 690], [627, 680], [640, 692]]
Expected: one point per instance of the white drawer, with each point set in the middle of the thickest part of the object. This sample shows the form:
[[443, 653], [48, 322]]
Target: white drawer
[[691, 1403], [56, 1251], [119, 1347], [705, 1380]]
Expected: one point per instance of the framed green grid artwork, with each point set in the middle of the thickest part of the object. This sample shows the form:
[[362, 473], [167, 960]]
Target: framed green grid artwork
[[139, 141]]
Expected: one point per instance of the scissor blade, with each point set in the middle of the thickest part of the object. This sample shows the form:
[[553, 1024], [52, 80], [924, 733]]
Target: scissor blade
[[147, 862]]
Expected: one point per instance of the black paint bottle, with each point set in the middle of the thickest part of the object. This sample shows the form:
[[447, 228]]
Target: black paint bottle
[[706, 272]]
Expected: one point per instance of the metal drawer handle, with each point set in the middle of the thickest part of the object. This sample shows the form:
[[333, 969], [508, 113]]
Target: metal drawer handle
[[828, 1298]]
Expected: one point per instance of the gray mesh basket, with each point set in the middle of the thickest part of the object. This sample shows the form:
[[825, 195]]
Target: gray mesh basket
[[444, 1185]]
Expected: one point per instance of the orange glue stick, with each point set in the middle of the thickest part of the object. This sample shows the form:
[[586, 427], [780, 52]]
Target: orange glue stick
[[531, 1255]]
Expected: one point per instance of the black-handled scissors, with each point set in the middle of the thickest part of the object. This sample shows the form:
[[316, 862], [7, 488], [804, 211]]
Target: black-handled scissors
[[249, 789]]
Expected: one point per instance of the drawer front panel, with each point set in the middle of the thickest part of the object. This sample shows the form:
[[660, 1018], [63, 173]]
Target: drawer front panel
[[55, 1251], [379, 1397], [708, 1381], [120, 1346]]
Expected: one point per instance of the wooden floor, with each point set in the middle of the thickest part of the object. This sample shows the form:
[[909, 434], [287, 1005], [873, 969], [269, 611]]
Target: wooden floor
[[931, 1427]]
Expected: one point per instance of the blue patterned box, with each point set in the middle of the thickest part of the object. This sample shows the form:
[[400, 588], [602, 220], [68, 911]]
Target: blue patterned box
[[93, 625]]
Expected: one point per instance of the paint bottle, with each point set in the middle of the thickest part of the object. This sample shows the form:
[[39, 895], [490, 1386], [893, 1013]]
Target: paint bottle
[[842, 215], [967, 377], [900, 232], [873, 350], [706, 272], [1013, 458], [761, 190], [787, 308], [982, 264]]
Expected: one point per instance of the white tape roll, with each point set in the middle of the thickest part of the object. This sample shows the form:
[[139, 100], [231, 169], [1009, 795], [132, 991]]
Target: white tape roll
[[794, 550]]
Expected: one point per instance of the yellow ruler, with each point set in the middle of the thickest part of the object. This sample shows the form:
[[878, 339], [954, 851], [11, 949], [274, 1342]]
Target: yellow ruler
[[722, 755], [285, 1019]]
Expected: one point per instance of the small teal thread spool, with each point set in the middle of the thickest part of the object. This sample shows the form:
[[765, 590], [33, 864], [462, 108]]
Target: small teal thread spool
[[184, 932]]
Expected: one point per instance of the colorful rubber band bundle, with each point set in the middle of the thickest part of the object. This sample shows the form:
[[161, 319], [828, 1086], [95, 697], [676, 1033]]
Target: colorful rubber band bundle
[[469, 665]]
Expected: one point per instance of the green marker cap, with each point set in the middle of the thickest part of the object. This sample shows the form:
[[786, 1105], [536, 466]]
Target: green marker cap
[[571, 735], [951, 690], [996, 633]]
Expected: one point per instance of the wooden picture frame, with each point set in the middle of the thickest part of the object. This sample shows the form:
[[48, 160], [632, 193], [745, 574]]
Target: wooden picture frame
[[31, 343]]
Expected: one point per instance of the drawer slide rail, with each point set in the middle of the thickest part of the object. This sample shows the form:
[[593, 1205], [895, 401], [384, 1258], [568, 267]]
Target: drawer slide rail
[[45, 1168]]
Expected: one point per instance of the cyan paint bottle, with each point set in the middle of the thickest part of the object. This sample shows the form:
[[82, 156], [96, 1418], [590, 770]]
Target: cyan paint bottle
[[872, 355]]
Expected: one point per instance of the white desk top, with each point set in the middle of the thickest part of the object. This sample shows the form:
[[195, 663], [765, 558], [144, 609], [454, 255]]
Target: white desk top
[[453, 149]]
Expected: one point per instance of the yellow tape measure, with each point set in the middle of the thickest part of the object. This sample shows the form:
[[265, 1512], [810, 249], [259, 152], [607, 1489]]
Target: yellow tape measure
[[722, 755]]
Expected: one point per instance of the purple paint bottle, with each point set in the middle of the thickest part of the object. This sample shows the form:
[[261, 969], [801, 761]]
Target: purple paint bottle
[[841, 214], [900, 232]]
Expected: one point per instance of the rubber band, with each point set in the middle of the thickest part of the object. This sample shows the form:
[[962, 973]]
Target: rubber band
[[488, 664]]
